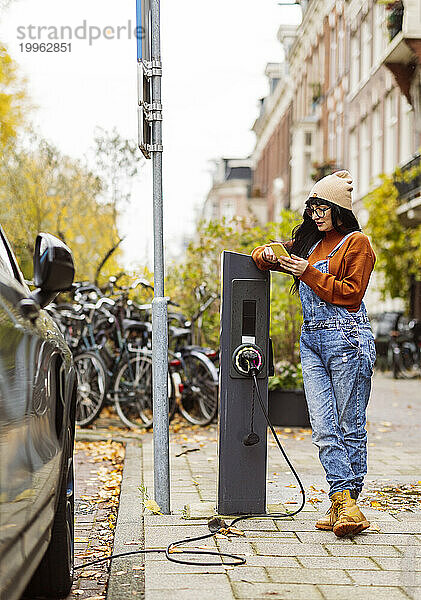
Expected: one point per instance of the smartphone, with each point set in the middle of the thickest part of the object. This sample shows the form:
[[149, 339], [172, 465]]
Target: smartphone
[[279, 249]]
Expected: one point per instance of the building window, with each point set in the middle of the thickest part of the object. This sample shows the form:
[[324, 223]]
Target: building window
[[376, 146], [333, 71], [365, 49], [228, 209], [331, 136], [353, 159], [341, 48], [307, 138], [339, 142], [390, 141], [407, 128], [379, 32], [365, 157], [355, 62]]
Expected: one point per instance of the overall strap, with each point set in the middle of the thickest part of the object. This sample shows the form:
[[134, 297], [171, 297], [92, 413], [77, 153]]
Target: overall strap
[[313, 248], [336, 248]]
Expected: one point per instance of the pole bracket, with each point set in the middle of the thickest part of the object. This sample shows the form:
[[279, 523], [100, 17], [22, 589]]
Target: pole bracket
[[153, 111], [152, 68], [155, 148]]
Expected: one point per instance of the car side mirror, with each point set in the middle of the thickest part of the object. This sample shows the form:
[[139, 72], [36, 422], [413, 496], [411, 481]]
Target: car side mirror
[[53, 268]]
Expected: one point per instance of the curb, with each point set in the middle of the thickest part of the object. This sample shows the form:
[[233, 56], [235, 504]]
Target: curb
[[125, 580]]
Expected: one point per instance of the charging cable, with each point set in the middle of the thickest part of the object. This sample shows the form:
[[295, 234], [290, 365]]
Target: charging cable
[[216, 524]]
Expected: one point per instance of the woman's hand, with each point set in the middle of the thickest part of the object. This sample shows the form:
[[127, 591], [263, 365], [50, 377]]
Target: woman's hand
[[294, 264], [269, 255]]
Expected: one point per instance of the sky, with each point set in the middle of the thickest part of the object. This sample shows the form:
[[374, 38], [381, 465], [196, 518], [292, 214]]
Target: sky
[[214, 54]]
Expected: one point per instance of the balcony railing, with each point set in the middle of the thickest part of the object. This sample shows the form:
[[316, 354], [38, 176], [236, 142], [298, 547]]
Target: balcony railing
[[412, 188], [394, 19]]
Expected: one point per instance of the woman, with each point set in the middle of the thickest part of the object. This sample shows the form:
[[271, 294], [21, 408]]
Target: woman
[[331, 261]]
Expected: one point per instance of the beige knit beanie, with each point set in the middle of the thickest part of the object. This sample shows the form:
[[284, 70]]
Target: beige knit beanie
[[335, 188]]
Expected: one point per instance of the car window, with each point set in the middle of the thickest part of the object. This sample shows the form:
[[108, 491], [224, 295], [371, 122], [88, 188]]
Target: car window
[[6, 266]]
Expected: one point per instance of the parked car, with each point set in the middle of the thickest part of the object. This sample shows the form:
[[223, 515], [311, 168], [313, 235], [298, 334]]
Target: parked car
[[37, 412]]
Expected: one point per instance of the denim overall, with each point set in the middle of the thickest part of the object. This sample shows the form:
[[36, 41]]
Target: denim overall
[[337, 356]]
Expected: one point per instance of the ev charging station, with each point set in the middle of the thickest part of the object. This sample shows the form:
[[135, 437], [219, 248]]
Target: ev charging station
[[244, 342]]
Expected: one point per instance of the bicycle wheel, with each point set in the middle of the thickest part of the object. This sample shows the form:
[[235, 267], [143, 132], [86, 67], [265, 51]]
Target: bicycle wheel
[[133, 392], [199, 399], [407, 362], [91, 388]]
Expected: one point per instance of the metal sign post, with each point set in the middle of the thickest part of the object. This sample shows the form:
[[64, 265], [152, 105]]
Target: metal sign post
[[150, 143]]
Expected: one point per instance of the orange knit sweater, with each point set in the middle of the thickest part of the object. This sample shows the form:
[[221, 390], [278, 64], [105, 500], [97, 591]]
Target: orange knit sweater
[[349, 268]]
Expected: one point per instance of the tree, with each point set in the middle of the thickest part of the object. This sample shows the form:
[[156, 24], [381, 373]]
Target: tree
[[43, 190], [202, 263], [117, 162], [12, 99], [397, 247]]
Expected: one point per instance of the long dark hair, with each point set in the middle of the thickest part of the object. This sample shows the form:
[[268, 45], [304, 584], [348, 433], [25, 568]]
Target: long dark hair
[[306, 234]]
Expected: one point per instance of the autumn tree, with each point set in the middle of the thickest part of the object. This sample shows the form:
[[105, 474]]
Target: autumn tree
[[13, 100], [202, 263], [43, 190]]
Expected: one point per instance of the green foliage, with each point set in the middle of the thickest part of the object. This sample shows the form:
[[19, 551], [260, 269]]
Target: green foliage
[[287, 376], [202, 263], [397, 247]]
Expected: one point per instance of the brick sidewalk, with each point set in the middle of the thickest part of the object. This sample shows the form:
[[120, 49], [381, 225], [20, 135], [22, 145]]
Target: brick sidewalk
[[289, 558]]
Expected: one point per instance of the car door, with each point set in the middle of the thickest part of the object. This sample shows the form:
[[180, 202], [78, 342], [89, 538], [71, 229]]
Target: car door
[[33, 356]]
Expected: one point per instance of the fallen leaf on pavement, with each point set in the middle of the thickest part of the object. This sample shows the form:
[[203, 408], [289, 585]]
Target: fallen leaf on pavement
[[152, 506], [89, 573]]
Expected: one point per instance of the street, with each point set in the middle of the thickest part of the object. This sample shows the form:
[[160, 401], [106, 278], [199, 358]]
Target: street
[[285, 558]]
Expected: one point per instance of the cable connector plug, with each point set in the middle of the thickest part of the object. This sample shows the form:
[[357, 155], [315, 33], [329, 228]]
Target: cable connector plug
[[215, 524]]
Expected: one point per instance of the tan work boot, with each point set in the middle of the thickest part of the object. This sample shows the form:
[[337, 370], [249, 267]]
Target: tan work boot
[[350, 519], [327, 522]]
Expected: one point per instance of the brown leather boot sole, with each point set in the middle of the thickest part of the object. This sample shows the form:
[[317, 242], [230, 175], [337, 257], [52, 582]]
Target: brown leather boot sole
[[343, 528], [324, 527]]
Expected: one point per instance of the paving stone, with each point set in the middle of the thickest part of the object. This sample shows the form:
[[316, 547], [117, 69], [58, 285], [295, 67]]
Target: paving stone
[[200, 581], [360, 550], [307, 575], [414, 550], [398, 578], [323, 537], [164, 566], [248, 574], [257, 525], [184, 593], [169, 520], [404, 563], [340, 562], [158, 537], [236, 546], [288, 549], [335, 592], [271, 561], [258, 591], [386, 538]]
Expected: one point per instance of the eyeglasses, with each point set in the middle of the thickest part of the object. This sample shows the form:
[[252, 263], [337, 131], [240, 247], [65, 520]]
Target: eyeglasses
[[320, 212]]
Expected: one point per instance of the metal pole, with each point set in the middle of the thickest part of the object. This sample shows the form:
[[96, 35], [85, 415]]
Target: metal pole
[[159, 303]]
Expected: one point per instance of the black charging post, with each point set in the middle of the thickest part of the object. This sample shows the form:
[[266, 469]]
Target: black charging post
[[244, 343]]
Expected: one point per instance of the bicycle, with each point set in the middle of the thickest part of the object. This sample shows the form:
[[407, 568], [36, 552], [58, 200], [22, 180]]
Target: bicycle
[[112, 362], [404, 353]]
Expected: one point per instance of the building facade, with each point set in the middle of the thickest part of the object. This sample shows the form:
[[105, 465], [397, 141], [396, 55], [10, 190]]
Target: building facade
[[348, 95], [230, 195]]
